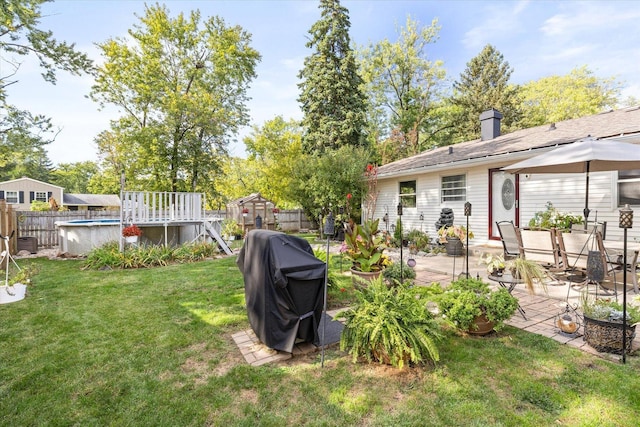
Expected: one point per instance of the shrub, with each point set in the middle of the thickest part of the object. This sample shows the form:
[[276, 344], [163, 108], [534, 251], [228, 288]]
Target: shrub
[[389, 325], [420, 239], [392, 273]]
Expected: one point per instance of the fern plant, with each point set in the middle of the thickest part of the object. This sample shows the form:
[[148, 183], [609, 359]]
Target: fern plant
[[390, 325]]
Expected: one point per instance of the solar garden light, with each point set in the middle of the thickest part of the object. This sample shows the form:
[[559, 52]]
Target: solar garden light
[[329, 230], [467, 213], [400, 218], [626, 222]]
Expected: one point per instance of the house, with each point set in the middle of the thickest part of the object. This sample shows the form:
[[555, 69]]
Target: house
[[19, 193], [448, 177]]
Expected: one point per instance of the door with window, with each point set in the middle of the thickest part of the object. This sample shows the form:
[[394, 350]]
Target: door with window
[[503, 196]]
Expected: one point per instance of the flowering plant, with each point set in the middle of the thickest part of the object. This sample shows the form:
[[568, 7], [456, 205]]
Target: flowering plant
[[459, 231], [363, 245], [131, 230]]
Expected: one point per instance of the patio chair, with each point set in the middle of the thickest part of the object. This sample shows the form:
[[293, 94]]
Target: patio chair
[[599, 226], [510, 236], [584, 259], [540, 246]]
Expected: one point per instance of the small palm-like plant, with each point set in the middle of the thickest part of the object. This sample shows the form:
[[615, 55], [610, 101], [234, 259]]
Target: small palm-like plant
[[390, 325]]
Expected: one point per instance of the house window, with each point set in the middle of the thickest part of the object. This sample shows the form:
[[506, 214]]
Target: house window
[[408, 194], [11, 196], [454, 188], [629, 187], [41, 196]]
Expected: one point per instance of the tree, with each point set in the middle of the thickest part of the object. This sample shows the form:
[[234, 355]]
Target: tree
[[331, 97], [556, 98], [322, 182], [403, 86], [24, 135], [182, 84], [484, 84], [273, 151], [74, 177]]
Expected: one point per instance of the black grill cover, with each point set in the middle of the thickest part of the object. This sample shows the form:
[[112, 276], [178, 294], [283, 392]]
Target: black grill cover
[[283, 287]]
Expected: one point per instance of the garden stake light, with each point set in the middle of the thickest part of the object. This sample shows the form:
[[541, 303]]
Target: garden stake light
[[467, 213], [626, 222], [401, 233], [329, 230]]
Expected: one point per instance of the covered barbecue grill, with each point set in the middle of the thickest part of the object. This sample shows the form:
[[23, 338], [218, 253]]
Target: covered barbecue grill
[[283, 284]]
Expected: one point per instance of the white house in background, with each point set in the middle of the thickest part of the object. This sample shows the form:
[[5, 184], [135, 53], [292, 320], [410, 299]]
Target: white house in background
[[470, 171], [19, 193]]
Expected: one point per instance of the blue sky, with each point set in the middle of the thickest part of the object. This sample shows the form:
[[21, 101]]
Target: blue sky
[[537, 38]]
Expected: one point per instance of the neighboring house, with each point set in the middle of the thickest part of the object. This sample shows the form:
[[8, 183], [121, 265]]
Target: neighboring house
[[19, 193], [470, 171], [91, 202]]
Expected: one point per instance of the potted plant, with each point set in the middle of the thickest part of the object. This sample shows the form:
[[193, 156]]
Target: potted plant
[[495, 264], [473, 307], [528, 271], [231, 229], [453, 236], [131, 233], [15, 288], [603, 324], [389, 325], [364, 246]]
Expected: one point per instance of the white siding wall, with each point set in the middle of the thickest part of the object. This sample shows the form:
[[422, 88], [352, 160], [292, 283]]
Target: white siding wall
[[565, 191]]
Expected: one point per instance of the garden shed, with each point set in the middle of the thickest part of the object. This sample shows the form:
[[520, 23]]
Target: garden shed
[[253, 211]]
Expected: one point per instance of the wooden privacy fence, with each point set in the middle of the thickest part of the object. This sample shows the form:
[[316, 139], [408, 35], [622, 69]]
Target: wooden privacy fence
[[42, 225]]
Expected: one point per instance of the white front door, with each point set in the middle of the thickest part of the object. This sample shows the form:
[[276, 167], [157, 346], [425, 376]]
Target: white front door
[[504, 202]]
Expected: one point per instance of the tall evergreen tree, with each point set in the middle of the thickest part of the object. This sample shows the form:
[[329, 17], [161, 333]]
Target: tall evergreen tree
[[332, 100], [484, 84]]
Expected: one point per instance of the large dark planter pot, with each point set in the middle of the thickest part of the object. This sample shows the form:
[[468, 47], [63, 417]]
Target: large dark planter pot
[[454, 246], [606, 337], [362, 278], [481, 326]]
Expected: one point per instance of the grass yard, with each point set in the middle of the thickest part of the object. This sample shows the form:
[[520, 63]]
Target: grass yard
[[153, 347]]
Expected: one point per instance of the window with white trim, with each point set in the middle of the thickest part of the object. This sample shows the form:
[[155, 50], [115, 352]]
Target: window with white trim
[[629, 187], [11, 196], [408, 194], [453, 188], [41, 196]]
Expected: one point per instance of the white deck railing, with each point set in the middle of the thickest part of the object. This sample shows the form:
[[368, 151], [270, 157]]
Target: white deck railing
[[144, 207]]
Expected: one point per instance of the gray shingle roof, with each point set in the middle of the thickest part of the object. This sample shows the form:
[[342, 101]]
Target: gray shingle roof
[[604, 125], [91, 199]]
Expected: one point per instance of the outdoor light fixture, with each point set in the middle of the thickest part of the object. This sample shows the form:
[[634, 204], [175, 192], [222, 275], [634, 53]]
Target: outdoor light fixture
[[467, 213], [421, 217], [626, 222], [400, 223], [329, 230]]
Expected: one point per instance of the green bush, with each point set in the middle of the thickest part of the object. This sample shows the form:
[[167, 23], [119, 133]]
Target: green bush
[[420, 239], [389, 325], [144, 256], [392, 273], [466, 299]]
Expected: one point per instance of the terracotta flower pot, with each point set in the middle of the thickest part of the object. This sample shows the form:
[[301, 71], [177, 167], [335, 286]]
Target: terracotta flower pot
[[481, 326], [358, 277]]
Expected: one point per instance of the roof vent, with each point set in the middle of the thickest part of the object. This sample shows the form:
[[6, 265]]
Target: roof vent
[[450, 150], [552, 126]]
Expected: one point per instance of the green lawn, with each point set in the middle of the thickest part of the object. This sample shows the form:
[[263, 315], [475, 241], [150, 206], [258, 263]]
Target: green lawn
[[153, 347]]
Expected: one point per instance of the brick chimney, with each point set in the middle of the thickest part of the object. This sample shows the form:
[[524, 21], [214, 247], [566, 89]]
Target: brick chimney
[[490, 124]]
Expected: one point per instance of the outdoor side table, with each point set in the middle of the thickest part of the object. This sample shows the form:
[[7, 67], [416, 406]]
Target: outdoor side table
[[509, 282]]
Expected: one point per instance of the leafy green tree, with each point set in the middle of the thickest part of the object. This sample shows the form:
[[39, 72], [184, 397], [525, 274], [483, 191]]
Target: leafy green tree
[[324, 181], [484, 84], [331, 97], [23, 134], [182, 84], [555, 98], [23, 137], [74, 177], [273, 150], [403, 86]]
